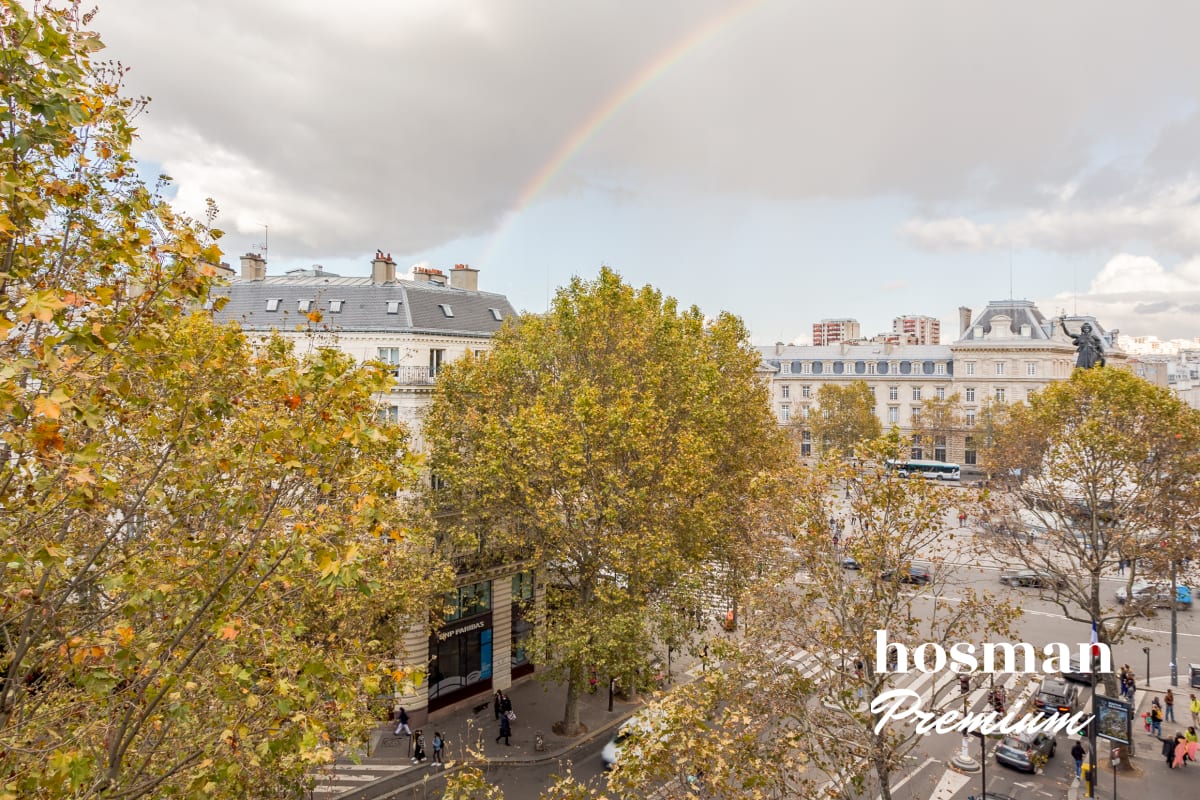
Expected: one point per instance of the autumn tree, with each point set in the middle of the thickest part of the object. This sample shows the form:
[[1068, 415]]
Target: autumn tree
[[621, 443], [939, 425], [791, 715], [1096, 469], [197, 535], [844, 417]]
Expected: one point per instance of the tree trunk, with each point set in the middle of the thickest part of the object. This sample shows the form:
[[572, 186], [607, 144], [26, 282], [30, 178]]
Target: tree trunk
[[570, 722], [631, 692], [883, 775]]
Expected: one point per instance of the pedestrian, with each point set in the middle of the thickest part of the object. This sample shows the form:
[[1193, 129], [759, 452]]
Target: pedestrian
[[438, 744], [1194, 705], [1180, 750], [1120, 566], [402, 726], [505, 705], [1168, 750], [418, 747], [962, 518], [1077, 753], [1169, 702], [496, 704], [505, 730], [1156, 718]]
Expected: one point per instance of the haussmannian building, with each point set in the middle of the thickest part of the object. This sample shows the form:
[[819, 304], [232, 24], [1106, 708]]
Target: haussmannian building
[[1001, 356]]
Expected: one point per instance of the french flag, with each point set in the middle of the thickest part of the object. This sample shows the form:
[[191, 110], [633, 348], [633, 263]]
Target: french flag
[[1095, 640]]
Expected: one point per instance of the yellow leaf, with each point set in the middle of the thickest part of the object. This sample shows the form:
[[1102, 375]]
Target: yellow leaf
[[229, 633], [45, 407]]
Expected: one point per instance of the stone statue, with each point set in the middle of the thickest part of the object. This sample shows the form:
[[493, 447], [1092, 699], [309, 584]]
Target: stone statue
[[1089, 350]]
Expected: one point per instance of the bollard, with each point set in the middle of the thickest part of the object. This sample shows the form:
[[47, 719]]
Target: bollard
[[539, 741]]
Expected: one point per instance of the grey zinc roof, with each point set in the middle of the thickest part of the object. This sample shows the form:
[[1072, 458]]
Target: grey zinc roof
[[364, 305], [1022, 312], [871, 352]]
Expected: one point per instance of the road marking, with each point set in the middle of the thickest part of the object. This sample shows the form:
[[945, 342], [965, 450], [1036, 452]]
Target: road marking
[[949, 785]]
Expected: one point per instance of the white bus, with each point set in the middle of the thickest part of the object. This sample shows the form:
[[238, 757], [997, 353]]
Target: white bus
[[934, 470]]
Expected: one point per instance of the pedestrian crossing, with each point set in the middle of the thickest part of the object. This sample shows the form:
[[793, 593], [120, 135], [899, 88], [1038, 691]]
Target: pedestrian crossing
[[938, 691], [344, 776]]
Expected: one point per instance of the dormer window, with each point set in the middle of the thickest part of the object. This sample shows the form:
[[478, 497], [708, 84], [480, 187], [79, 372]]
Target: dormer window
[[335, 306], [496, 315], [449, 312], [304, 306], [393, 306], [273, 303]]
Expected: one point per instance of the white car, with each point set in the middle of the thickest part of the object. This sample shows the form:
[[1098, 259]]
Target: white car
[[646, 721]]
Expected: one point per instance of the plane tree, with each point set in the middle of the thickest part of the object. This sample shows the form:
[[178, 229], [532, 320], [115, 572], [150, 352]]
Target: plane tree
[[1093, 471], [621, 443], [196, 535], [843, 418]]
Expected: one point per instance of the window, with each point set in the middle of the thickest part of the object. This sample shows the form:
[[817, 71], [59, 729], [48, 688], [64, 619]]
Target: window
[[870, 367], [970, 419], [969, 450], [806, 444], [496, 314], [1000, 394], [970, 393], [970, 367], [446, 310], [786, 368], [916, 392], [785, 392], [806, 391], [939, 448], [999, 367], [785, 413], [467, 601], [335, 306], [436, 482], [917, 452], [304, 306], [941, 393], [436, 357], [804, 412], [893, 393], [388, 413], [393, 306], [1031, 368], [916, 418], [273, 303], [940, 369], [479, 353], [806, 368], [893, 414]]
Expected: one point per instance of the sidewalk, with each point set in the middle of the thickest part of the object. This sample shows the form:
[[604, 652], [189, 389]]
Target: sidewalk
[[470, 737]]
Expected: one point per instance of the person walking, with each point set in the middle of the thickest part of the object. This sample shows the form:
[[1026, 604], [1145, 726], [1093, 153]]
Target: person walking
[[402, 725], [505, 704], [1169, 702], [1156, 718], [1077, 753], [505, 730], [1168, 750], [496, 704], [1194, 705], [438, 744], [418, 747], [1180, 750]]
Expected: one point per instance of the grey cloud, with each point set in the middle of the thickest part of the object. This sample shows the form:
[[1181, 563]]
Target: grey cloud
[[1153, 308]]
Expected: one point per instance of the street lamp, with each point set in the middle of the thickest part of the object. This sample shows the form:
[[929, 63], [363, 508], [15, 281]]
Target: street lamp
[[1146, 650]]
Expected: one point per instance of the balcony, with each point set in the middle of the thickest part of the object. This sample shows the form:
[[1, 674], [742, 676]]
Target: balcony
[[414, 376]]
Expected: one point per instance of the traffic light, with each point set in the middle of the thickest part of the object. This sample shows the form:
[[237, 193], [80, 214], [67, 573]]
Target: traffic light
[[964, 683]]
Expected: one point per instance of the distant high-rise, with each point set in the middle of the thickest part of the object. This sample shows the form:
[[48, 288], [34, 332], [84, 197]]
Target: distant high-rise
[[917, 329], [829, 331]]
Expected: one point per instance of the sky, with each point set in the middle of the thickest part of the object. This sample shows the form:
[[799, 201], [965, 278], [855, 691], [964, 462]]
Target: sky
[[783, 160]]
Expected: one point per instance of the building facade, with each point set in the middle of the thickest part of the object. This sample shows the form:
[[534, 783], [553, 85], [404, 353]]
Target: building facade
[[1001, 356], [414, 326], [915, 329]]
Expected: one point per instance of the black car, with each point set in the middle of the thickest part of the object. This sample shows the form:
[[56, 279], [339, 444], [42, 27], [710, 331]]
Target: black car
[[850, 562], [1026, 751], [916, 573], [1037, 579], [1075, 674], [1056, 696]]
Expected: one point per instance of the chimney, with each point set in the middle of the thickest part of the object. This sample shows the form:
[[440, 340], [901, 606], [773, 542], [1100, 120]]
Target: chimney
[[779, 348], [463, 277], [964, 319], [383, 269], [429, 275], [254, 267]]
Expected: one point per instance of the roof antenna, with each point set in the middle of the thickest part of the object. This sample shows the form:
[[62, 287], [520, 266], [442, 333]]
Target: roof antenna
[[1010, 271], [1075, 289], [266, 242]]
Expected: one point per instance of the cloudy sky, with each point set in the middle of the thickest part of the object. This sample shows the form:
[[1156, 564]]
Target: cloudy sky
[[785, 160]]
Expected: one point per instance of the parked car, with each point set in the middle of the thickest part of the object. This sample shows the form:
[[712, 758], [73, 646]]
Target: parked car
[[850, 562], [916, 573], [1155, 594], [1056, 696], [1036, 578], [1025, 751]]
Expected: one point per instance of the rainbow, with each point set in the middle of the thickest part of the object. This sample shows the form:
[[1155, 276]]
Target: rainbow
[[653, 69]]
